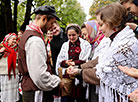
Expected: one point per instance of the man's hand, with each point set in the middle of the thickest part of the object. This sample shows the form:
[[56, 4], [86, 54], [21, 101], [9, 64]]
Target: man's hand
[[133, 72]]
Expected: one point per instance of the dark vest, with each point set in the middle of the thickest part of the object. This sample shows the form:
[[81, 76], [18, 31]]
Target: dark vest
[[27, 83]]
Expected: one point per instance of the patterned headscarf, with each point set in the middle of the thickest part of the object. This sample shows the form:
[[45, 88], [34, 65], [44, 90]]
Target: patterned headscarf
[[94, 35], [10, 52], [92, 28]]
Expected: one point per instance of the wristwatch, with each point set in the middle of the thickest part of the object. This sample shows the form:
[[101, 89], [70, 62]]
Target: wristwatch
[[136, 30]]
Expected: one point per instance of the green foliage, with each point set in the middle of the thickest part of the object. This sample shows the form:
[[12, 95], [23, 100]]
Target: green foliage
[[69, 11], [21, 13], [98, 4]]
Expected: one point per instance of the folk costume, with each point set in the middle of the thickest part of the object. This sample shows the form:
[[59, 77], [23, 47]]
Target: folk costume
[[112, 52], [94, 36], [8, 72], [83, 50], [33, 66], [79, 52]]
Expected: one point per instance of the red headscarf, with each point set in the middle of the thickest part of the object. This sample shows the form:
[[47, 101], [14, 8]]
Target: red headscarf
[[10, 52]]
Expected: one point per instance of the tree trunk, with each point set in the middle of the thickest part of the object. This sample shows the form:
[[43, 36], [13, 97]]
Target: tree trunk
[[15, 15], [27, 15], [1, 25], [6, 18]]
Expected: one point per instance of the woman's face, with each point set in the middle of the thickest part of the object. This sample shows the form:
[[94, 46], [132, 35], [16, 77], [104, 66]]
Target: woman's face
[[12, 41], [55, 29], [84, 33], [131, 7], [19, 34], [49, 35], [72, 35], [104, 27]]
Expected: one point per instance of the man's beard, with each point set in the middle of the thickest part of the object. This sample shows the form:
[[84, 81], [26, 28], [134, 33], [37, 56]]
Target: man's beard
[[45, 28]]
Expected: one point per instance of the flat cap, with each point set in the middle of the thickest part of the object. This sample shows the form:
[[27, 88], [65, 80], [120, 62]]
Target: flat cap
[[47, 10]]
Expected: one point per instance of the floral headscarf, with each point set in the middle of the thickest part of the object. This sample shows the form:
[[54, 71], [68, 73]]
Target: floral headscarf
[[94, 35], [10, 52]]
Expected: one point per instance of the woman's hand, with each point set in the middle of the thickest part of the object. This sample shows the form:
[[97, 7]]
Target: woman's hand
[[133, 72], [134, 96], [2, 49], [70, 62], [73, 71], [132, 25]]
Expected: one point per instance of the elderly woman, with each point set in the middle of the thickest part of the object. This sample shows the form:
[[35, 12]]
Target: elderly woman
[[118, 47], [8, 71], [91, 33], [73, 53]]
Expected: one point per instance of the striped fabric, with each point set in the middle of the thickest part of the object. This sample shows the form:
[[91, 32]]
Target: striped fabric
[[9, 88], [57, 99]]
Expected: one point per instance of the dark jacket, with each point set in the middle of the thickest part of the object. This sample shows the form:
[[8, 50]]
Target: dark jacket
[[56, 44]]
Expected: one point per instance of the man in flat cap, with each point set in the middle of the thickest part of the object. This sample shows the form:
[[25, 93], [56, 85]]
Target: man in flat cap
[[32, 58]]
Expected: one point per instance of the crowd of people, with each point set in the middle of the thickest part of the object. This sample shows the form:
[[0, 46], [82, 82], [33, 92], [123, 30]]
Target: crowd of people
[[93, 62]]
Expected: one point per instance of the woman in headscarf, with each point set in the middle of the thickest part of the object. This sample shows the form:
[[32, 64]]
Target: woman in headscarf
[[90, 32], [8, 72]]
